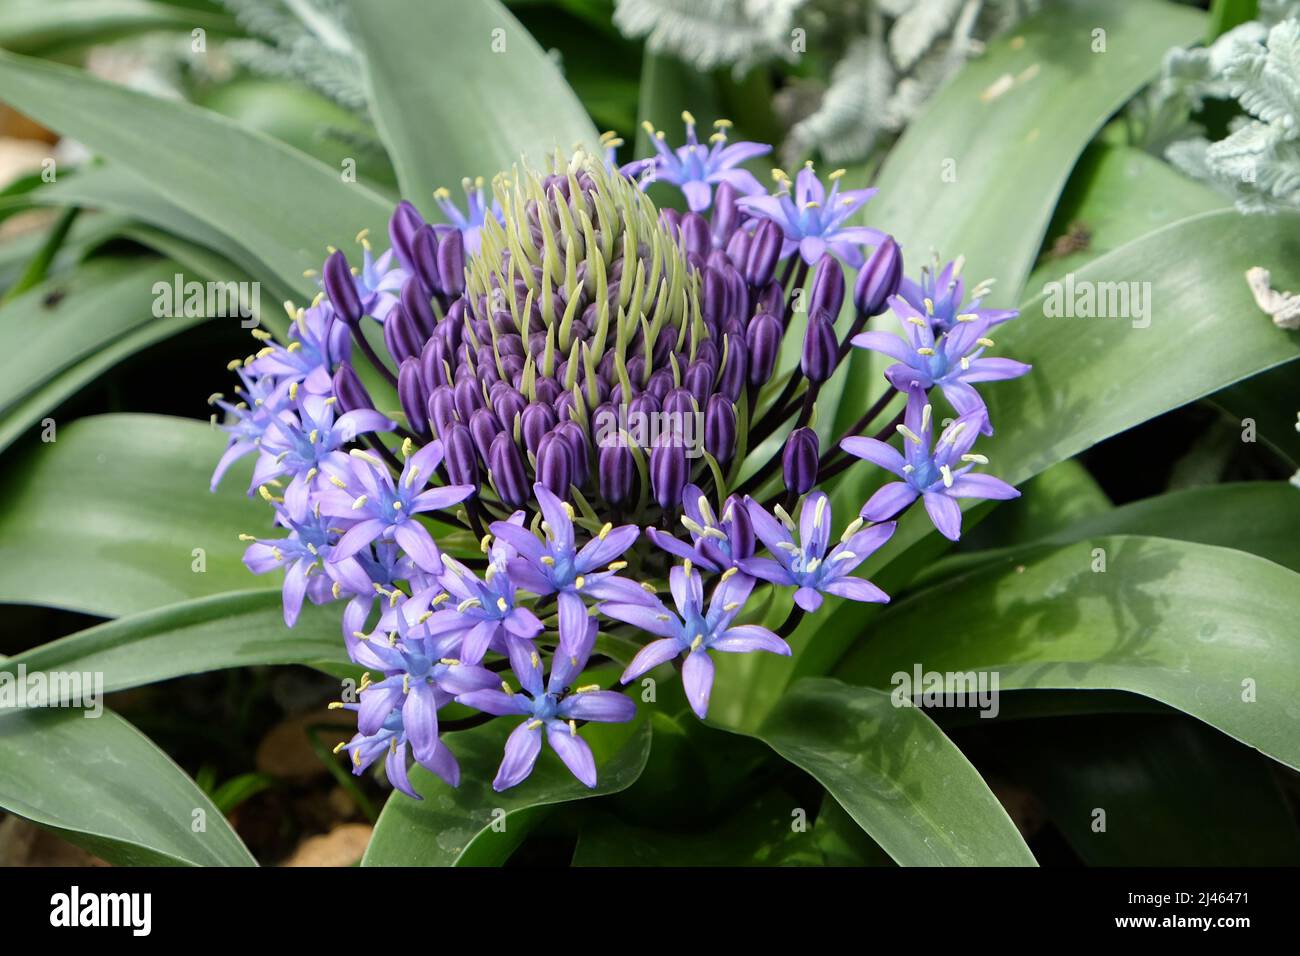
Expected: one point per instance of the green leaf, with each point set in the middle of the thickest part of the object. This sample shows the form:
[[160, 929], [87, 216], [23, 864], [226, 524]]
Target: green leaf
[[1260, 517], [117, 189], [451, 827], [978, 173], [1203, 629], [1092, 378], [1175, 792], [1117, 194], [283, 206], [1256, 516], [66, 319], [30, 25], [239, 629], [1270, 401], [1096, 377], [471, 103], [104, 786], [106, 518], [1051, 501], [1013, 122], [20, 416], [896, 774]]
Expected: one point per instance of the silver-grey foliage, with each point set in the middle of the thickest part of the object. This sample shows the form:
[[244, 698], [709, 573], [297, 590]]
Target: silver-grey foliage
[[1257, 64]]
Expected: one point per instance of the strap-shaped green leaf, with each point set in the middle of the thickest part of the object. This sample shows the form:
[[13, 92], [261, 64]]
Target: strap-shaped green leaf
[[238, 629], [103, 785], [474, 826], [458, 88], [896, 774], [1207, 630], [280, 204]]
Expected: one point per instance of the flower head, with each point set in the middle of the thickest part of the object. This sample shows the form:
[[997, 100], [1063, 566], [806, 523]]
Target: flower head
[[952, 360], [812, 219], [552, 705], [937, 475], [717, 542], [694, 631], [696, 168], [940, 296], [806, 565]]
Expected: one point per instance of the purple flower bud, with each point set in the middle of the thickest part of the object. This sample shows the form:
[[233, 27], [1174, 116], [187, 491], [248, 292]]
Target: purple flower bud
[[413, 397], [537, 419], [827, 293], [772, 300], [760, 262], [506, 467], [442, 409], [452, 326], [660, 384], [879, 278], [349, 391], [400, 336], [547, 390], [616, 470], [642, 407], [799, 460], [469, 397], [417, 305], [451, 262], [555, 464], [508, 402], [483, 428], [720, 428], [433, 362], [424, 251], [575, 438], [713, 301], [564, 407], [738, 250], [461, 459], [679, 403], [668, 471], [764, 343], [341, 288], [695, 234], [734, 367], [405, 222], [819, 349], [741, 530], [698, 380], [726, 215]]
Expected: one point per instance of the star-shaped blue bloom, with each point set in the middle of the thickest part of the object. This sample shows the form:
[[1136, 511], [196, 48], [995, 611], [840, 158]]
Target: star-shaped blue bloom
[[717, 543], [694, 631], [477, 209], [554, 706], [953, 360], [938, 476], [695, 168], [806, 566], [557, 566], [485, 615], [813, 220], [300, 442], [317, 343], [383, 507], [945, 289]]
